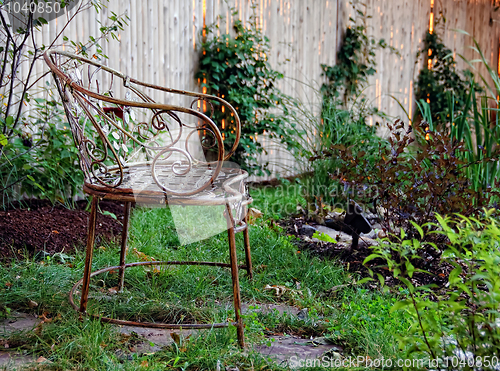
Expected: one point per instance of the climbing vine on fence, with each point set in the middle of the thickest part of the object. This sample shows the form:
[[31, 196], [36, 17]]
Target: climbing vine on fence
[[236, 68]]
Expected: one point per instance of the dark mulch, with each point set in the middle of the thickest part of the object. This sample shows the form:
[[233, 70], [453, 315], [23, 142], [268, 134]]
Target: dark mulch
[[430, 262], [39, 226]]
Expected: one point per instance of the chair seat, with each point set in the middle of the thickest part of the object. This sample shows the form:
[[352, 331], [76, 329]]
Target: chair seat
[[138, 185]]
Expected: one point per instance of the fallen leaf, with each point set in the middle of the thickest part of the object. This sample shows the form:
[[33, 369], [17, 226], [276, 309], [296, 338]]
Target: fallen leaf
[[144, 363], [44, 317], [253, 214], [42, 360], [32, 304], [176, 337], [145, 258], [279, 290]]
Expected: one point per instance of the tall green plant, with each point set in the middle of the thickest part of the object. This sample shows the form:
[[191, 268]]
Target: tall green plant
[[336, 127], [34, 144], [344, 110], [440, 83], [467, 112], [236, 67], [456, 327], [355, 62]]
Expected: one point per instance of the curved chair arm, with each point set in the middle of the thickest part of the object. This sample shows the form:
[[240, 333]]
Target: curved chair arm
[[109, 138], [128, 81]]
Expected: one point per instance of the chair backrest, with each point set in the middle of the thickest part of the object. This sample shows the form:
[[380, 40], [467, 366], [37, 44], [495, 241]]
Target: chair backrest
[[115, 134]]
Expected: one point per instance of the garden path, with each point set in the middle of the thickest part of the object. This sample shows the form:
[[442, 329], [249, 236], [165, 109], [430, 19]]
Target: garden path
[[281, 349]]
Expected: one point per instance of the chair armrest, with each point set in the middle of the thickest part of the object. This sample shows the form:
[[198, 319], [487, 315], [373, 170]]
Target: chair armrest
[[110, 139]]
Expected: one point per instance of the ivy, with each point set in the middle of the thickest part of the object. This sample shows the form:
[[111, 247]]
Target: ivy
[[236, 68], [436, 85], [355, 62]]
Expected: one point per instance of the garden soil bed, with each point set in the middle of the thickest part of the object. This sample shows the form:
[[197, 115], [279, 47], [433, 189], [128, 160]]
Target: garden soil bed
[[41, 227], [353, 261]]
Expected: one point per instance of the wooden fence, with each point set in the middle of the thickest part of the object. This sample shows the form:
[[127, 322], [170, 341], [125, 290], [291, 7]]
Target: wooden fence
[[161, 42]]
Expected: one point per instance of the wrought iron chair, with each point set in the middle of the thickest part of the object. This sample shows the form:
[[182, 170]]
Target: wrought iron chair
[[137, 150]]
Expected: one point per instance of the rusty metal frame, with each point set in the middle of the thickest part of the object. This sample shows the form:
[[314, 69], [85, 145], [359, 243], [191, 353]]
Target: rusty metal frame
[[97, 185]]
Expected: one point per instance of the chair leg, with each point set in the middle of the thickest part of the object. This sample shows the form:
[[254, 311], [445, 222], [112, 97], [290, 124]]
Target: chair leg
[[248, 254], [89, 252], [123, 252], [235, 278]]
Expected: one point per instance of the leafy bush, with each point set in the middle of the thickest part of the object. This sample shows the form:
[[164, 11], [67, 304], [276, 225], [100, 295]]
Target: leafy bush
[[236, 68], [36, 155], [408, 184], [464, 111], [43, 165], [442, 84], [337, 127], [459, 325], [355, 62], [344, 111]]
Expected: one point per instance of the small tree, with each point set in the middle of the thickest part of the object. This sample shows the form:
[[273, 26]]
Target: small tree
[[236, 68], [38, 161], [439, 81]]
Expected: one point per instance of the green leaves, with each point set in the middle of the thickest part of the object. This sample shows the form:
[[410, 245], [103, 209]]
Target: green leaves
[[465, 309], [323, 237], [236, 69], [9, 121], [43, 165]]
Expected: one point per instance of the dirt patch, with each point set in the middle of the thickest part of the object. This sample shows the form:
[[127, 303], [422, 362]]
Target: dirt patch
[[430, 261], [43, 227]]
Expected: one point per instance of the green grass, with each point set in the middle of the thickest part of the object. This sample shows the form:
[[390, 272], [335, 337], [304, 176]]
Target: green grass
[[277, 202], [355, 318]]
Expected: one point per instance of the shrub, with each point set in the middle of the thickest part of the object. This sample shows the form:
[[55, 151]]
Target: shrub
[[458, 325], [442, 84], [463, 110], [236, 68], [43, 165], [410, 184], [343, 113], [355, 63], [337, 127]]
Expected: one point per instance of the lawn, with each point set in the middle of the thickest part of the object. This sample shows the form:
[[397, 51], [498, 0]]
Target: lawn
[[354, 317]]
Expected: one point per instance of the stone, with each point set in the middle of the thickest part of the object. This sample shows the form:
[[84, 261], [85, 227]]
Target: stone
[[336, 216], [155, 339], [14, 360], [303, 314], [286, 351], [307, 230], [340, 237], [372, 234]]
